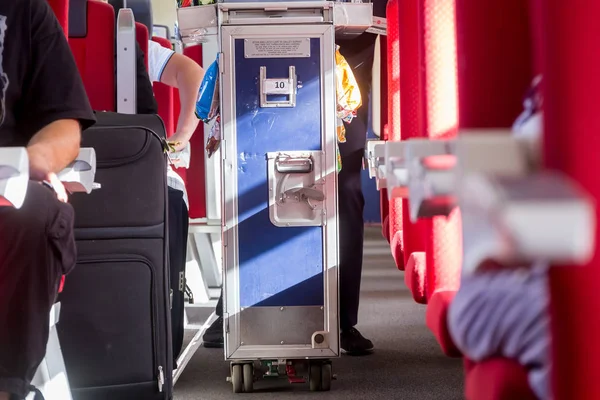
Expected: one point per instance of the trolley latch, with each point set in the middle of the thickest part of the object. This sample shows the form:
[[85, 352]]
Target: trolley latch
[[278, 87], [296, 189]]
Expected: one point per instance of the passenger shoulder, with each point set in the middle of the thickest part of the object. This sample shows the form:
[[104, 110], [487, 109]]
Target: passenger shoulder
[[43, 20]]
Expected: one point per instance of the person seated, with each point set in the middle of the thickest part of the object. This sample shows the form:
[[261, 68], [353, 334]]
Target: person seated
[[44, 108], [504, 312]]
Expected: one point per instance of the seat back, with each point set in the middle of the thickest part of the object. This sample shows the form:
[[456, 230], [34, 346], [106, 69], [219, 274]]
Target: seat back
[[196, 173], [440, 94], [142, 36], [394, 220], [571, 120], [92, 41]]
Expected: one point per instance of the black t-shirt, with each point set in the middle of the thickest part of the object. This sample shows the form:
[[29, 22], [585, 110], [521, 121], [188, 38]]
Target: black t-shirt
[[39, 80]]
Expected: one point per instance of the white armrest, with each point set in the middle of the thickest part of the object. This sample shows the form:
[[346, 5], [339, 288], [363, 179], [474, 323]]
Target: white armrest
[[14, 176], [375, 155], [396, 171], [79, 175], [126, 63], [540, 217], [432, 184]]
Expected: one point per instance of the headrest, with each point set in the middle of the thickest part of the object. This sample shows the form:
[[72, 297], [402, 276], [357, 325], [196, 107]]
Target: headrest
[[142, 10], [78, 18]]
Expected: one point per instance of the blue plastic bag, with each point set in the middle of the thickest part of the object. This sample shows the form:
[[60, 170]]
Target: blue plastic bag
[[207, 91]]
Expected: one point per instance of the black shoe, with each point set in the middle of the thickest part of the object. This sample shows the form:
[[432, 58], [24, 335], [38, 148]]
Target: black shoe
[[355, 344], [213, 337]]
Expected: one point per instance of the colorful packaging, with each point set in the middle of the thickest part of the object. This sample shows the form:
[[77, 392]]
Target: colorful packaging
[[348, 94], [214, 138], [206, 93]]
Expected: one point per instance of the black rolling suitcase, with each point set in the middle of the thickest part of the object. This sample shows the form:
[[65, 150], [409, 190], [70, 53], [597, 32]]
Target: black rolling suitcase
[[115, 323]]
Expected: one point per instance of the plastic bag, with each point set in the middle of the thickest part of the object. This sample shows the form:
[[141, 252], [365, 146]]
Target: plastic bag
[[206, 93], [214, 138], [348, 94]]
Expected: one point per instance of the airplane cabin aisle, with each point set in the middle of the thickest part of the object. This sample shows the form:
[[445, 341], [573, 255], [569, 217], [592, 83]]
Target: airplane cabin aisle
[[407, 363]]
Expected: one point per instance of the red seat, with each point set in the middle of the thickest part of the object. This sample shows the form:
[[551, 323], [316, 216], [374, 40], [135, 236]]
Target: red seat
[[494, 59], [394, 207], [92, 40], [196, 172], [571, 145], [142, 36], [497, 379]]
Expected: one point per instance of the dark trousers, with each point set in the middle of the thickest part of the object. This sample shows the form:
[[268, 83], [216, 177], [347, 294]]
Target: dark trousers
[[351, 204], [37, 247], [178, 234]]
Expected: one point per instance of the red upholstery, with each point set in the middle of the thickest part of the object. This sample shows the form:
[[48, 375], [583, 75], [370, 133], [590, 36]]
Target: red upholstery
[[196, 173], [440, 91], [385, 227], [142, 37], [383, 116], [437, 312], [503, 380], [571, 144], [494, 72], [414, 276], [411, 113], [61, 10], [394, 207], [495, 63], [95, 56]]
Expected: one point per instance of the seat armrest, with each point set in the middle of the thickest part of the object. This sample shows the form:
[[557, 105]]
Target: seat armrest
[[79, 175], [14, 176]]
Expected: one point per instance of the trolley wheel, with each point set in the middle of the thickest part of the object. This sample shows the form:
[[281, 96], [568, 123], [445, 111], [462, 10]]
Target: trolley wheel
[[248, 372], [326, 377], [237, 378], [314, 378]]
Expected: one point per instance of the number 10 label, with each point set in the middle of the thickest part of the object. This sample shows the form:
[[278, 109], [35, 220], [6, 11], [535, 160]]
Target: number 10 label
[[277, 86]]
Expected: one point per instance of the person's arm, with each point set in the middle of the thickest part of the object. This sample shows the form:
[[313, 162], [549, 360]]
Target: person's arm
[[53, 148], [54, 97], [186, 75], [183, 73]]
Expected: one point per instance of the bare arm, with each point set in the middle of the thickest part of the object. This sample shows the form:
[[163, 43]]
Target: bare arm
[[53, 148], [185, 74]]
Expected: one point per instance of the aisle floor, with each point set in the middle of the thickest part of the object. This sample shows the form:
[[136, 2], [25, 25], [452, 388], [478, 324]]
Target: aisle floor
[[407, 363]]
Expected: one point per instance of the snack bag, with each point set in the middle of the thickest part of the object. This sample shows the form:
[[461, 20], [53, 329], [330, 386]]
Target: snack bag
[[206, 93], [214, 106], [214, 138], [348, 94]]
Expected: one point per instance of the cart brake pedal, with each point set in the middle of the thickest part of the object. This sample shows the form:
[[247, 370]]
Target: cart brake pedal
[[291, 374]]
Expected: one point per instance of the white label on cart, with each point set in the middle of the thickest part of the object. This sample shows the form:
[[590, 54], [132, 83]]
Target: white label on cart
[[277, 86], [277, 48]]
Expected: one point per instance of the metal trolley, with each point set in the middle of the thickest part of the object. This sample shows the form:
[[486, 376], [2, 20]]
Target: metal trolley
[[279, 171]]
